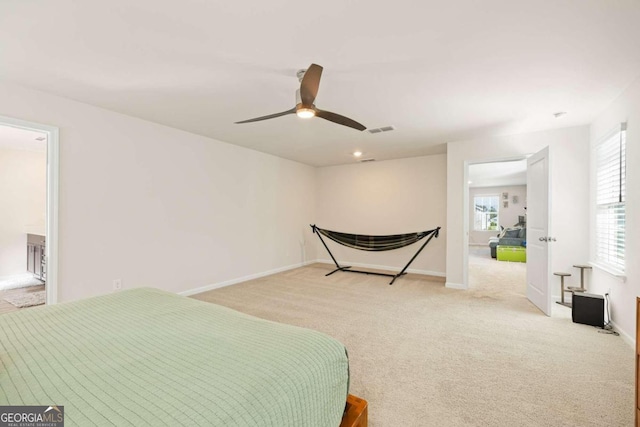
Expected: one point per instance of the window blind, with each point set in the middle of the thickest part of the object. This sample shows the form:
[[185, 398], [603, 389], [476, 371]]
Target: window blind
[[610, 200]]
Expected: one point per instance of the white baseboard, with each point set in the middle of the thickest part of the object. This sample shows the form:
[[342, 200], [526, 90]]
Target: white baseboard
[[384, 267], [452, 285], [243, 279], [625, 337], [291, 267], [556, 298]]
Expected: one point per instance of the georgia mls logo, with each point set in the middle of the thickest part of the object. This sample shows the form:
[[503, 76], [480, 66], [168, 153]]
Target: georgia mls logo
[[32, 416], [54, 408]]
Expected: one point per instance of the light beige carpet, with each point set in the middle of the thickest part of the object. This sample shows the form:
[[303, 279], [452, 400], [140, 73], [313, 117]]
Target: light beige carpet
[[425, 355], [27, 299]]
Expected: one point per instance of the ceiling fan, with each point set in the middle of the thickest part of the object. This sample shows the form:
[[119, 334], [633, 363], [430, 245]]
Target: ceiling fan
[[305, 96]]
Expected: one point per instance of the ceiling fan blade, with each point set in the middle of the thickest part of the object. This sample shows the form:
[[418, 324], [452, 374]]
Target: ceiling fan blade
[[341, 120], [310, 84], [270, 116]]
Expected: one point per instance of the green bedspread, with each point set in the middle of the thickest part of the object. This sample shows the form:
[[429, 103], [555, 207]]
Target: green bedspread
[[149, 357]]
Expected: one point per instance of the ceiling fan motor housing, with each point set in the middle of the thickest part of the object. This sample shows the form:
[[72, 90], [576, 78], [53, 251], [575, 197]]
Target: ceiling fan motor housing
[[305, 98], [304, 111]]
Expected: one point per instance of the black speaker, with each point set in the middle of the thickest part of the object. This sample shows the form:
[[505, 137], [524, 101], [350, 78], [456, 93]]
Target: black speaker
[[587, 309]]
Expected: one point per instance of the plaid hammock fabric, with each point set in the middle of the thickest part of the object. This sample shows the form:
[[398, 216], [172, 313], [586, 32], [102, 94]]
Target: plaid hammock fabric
[[374, 243]]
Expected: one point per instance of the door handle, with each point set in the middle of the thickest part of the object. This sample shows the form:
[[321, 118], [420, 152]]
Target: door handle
[[543, 239], [551, 239]]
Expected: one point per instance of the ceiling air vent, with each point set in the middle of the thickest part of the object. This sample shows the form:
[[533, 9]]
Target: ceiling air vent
[[367, 160], [382, 129]]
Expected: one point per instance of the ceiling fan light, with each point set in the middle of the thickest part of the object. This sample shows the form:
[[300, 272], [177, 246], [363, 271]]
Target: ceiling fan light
[[305, 113]]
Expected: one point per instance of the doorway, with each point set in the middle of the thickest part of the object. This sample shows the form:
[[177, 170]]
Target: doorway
[[497, 218], [28, 223]]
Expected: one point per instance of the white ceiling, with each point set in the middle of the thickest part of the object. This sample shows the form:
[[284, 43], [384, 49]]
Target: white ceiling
[[439, 71], [21, 139], [498, 174]]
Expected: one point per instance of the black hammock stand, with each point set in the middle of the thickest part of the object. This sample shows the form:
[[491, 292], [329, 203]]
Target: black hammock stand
[[374, 243]]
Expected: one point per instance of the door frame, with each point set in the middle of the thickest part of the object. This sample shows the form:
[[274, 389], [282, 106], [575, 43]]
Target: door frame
[[53, 169], [465, 206]]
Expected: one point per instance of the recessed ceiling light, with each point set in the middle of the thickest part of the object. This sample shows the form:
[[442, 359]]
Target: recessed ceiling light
[[559, 114], [469, 182], [357, 153]]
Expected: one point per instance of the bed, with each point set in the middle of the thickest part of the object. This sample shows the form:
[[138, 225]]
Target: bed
[[149, 357]]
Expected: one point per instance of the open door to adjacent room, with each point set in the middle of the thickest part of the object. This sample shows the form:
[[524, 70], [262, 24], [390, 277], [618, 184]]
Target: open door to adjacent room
[[28, 221], [23, 191], [538, 226], [497, 213]]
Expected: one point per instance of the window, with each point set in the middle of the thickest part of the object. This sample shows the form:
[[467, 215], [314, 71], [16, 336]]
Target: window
[[610, 200], [486, 212]]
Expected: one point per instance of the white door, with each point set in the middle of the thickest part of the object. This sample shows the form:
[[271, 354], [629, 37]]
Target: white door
[[538, 249]]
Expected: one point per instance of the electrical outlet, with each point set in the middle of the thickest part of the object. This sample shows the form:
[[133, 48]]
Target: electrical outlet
[[117, 284]]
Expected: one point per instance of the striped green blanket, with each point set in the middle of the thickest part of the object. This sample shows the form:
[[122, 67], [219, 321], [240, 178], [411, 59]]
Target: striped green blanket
[[149, 357]]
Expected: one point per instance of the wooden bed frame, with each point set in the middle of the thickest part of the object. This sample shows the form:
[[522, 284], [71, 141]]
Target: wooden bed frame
[[356, 412]]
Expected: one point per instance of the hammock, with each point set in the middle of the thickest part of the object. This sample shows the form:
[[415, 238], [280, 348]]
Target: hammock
[[374, 243]]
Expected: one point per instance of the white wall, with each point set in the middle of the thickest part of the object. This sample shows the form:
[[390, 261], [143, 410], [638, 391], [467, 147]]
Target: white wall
[[507, 216], [156, 206], [623, 294], [387, 197], [23, 195], [569, 175]]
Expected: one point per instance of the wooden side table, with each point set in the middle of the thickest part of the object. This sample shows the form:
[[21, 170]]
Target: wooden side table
[[637, 362], [356, 412]]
